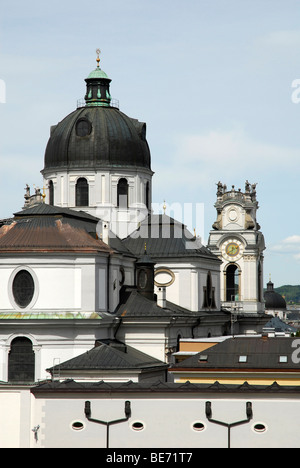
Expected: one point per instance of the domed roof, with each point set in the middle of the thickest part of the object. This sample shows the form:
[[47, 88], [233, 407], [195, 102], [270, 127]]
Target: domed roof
[[95, 138], [97, 135], [97, 73], [273, 300]]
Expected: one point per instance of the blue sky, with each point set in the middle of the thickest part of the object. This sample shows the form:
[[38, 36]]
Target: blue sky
[[217, 83]]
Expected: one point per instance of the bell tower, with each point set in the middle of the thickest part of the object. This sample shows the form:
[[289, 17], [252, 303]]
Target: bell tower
[[237, 240]]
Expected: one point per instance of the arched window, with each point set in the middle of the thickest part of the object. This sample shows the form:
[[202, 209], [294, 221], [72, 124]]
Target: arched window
[[147, 196], [21, 360], [122, 193], [82, 192], [209, 293], [23, 288], [51, 193], [259, 282], [232, 283]]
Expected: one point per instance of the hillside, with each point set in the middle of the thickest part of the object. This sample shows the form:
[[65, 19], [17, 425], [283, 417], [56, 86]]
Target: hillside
[[290, 293]]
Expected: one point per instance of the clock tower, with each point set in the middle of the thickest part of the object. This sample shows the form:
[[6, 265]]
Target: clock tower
[[237, 240]]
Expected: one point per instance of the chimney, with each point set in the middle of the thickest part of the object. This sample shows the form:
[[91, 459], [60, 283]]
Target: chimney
[[103, 231], [161, 297]]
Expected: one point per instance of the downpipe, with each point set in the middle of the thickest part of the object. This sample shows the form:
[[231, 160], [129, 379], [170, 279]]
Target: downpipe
[[249, 416], [88, 413]]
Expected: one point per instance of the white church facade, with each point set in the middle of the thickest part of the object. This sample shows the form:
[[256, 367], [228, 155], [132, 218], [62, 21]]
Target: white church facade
[[93, 284]]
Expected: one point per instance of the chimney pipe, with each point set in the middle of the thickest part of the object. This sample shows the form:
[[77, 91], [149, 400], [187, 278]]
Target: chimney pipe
[[161, 297]]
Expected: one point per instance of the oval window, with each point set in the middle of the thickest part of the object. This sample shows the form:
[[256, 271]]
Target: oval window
[[83, 128], [198, 426], [137, 426], [164, 277], [77, 425], [23, 288], [143, 277], [259, 427]]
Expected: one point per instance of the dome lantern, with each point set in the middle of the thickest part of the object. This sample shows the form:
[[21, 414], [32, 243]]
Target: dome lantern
[[97, 87]]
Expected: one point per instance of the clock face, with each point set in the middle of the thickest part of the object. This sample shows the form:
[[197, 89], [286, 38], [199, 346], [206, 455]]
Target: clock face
[[232, 249]]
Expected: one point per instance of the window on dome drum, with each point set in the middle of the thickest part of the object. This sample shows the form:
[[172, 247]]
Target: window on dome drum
[[122, 193], [82, 192], [23, 288], [21, 360], [51, 193], [232, 283]]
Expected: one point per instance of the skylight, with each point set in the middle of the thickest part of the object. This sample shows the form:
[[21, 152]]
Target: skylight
[[242, 358]]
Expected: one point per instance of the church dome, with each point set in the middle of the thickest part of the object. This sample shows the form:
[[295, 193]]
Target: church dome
[[273, 300], [97, 135]]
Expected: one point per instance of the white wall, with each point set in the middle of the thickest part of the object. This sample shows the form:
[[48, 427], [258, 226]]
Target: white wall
[[167, 418]]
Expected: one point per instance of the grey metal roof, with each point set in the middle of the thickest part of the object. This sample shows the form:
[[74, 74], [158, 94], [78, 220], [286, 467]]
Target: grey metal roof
[[111, 355], [115, 140], [261, 352], [134, 304], [165, 238], [72, 387], [279, 326], [44, 209]]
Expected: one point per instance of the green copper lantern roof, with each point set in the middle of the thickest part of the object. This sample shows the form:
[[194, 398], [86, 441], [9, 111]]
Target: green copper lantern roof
[[97, 73]]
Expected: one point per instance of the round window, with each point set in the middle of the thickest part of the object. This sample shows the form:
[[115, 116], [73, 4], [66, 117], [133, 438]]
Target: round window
[[23, 288]]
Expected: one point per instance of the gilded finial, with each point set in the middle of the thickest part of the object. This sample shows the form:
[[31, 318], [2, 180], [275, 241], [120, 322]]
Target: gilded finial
[[98, 52], [164, 207]]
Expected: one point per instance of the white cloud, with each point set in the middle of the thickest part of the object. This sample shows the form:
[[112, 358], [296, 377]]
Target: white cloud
[[294, 240], [283, 38], [219, 153], [288, 246]]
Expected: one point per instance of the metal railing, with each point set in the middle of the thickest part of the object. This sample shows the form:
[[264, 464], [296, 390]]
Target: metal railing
[[113, 103]]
